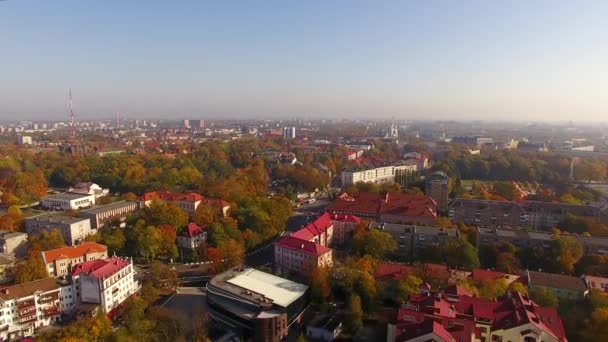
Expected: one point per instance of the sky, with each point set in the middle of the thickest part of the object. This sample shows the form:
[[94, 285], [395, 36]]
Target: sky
[[409, 59]]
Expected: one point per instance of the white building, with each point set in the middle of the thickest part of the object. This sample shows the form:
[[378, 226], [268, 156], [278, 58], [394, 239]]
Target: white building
[[289, 132], [191, 237], [379, 175], [68, 201], [24, 140], [73, 229], [89, 188], [106, 282]]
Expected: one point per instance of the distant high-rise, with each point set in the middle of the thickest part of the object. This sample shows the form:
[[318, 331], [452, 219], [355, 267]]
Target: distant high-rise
[[194, 124], [437, 189], [289, 132]]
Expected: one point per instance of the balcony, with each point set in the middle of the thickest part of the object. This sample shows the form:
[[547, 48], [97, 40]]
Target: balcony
[[29, 319], [50, 312], [26, 304], [27, 311]]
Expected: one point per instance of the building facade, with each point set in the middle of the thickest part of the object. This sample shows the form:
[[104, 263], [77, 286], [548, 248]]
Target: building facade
[[437, 188], [191, 237], [60, 261], [379, 175], [105, 214], [300, 256], [73, 229], [562, 286], [68, 201], [412, 240], [14, 243]]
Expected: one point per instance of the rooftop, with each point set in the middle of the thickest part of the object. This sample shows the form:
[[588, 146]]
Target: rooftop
[[68, 196], [73, 251], [101, 268], [407, 228], [56, 217], [111, 206], [553, 280], [393, 203], [28, 289], [7, 234], [304, 246]]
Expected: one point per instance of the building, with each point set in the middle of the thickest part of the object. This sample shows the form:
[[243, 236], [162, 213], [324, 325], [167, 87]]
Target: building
[[24, 140], [289, 132], [413, 240], [255, 304], [68, 201], [437, 188], [595, 283], [106, 214], [28, 307], [188, 201], [13, 243], [525, 146], [300, 256], [73, 229], [532, 214], [344, 226], [324, 328], [105, 282], [60, 261], [451, 317], [7, 264], [379, 175], [476, 141], [393, 207], [563, 286], [592, 245], [89, 188], [194, 124], [319, 231], [191, 237]]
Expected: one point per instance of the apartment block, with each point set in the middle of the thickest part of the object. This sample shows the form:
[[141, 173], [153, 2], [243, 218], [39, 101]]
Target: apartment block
[[412, 240], [60, 261]]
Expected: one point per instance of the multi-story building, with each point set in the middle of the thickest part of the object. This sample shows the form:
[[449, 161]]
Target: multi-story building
[[379, 175], [449, 317], [525, 146], [533, 214], [319, 231], [300, 256], [344, 226], [68, 201], [411, 240], [13, 243], [105, 282], [188, 201], [477, 141], [561, 285], [592, 245], [73, 229], [105, 214], [59, 261], [254, 304], [27, 307], [437, 189], [393, 207], [191, 237], [289, 132]]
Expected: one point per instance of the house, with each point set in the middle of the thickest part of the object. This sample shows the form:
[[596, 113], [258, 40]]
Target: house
[[460, 317], [324, 328], [191, 237], [562, 286], [393, 207], [479, 275], [73, 229], [68, 201], [89, 188], [59, 261], [344, 226], [301, 256]]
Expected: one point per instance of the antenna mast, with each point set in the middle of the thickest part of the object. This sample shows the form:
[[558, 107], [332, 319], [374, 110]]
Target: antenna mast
[[73, 126], [117, 122]]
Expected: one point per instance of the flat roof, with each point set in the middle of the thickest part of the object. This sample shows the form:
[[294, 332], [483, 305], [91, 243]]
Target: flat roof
[[281, 291], [68, 196], [56, 217], [111, 206]]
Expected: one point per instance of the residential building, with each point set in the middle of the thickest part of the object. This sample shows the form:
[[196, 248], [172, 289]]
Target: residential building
[[344, 227], [188, 201], [106, 214], [28, 307], [7, 264], [89, 188], [300, 256], [13, 243], [379, 175], [68, 201], [393, 207], [412, 240], [437, 189], [451, 317], [105, 282], [563, 286], [24, 140], [254, 304], [525, 146], [533, 214], [191, 237], [592, 245], [73, 229], [319, 231], [324, 328], [60, 261], [595, 283], [476, 141], [289, 132]]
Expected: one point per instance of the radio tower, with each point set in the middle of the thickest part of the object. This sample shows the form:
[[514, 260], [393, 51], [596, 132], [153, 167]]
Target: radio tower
[[73, 131]]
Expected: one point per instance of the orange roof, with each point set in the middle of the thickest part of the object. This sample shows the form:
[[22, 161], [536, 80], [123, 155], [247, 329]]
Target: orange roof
[[73, 252]]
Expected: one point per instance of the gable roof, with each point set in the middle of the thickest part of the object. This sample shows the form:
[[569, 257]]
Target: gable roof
[[314, 229], [192, 230], [72, 252], [393, 203], [304, 246], [100, 268], [29, 288]]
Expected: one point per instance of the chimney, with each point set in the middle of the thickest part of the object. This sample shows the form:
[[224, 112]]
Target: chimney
[[5, 291]]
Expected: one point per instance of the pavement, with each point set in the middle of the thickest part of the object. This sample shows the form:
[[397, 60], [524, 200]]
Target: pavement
[[188, 304]]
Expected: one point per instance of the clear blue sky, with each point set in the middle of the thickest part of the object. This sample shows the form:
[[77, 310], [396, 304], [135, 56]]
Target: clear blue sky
[[537, 60]]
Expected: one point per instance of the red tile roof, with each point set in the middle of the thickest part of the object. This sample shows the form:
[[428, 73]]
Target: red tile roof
[[73, 251], [314, 229], [392, 270], [394, 203], [345, 218], [101, 268], [192, 230], [188, 196], [304, 246], [479, 274]]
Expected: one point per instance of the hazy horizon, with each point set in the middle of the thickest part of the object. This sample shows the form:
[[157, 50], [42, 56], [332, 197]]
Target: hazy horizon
[[525, 61]]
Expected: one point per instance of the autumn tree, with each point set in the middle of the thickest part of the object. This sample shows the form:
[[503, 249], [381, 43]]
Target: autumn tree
[[354, 314], [167, 241], [161, 213], [233, 251], [320, 284], [204, 215], [401, 289], [47, 240], [374, 242], [597, 328], [566, 252]]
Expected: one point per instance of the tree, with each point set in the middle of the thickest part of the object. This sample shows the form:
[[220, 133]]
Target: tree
[[233, 251], [459, 253], [129, 196], [443, 222], [518, 287], [167, 238], [30, 269], [566, 253], [508, 263], [597, 328], [161, 213], [148, 241], [320, 286], [47, 240], [407, 286], [204, 215], [354, 314], [161, 276], [373, 242], [544, 297], [492, 289]]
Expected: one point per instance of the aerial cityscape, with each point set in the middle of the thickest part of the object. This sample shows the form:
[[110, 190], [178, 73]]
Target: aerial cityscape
[[304, 171]]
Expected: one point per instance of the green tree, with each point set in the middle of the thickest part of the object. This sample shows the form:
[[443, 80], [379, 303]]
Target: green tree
[[354, 314], [204, 215], [161, 214], [459, 253], [373, 242], [407, 286], [566, 253]]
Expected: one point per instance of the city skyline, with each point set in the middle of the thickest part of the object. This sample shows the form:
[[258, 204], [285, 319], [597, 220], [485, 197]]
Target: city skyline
[[541, 61]]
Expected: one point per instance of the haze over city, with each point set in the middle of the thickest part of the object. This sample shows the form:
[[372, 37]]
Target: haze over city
[[540, 60]]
